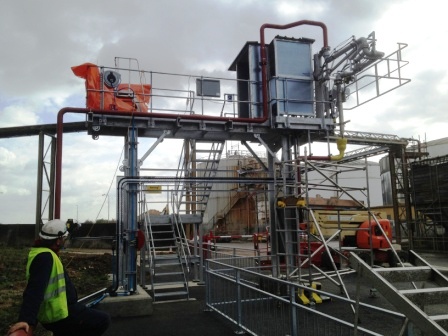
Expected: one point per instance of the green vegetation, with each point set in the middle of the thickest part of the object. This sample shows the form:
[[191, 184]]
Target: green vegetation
[[89, 273]]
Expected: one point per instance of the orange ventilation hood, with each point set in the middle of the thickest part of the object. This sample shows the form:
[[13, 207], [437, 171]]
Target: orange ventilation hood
[[106, 94]]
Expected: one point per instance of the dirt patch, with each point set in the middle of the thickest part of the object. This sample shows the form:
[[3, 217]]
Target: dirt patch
[[89, 272]]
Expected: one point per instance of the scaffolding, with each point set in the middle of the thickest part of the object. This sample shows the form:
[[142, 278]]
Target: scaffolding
[[313, 236]]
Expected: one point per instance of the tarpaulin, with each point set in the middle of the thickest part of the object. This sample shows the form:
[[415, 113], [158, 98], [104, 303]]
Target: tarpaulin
[[124, 97]]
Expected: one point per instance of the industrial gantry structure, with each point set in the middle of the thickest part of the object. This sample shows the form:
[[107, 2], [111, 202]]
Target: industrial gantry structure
[[281, 97]]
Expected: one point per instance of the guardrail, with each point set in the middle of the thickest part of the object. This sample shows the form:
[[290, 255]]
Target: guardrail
[[258, 304]]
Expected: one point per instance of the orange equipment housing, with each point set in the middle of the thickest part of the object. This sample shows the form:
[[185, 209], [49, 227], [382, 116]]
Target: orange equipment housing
[[125, 97], [378, 239]]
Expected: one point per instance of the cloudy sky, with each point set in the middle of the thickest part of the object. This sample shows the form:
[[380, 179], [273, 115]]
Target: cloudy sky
[[42, 40]]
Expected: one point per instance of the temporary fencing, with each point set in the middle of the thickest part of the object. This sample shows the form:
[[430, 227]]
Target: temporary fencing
[[260, 304]]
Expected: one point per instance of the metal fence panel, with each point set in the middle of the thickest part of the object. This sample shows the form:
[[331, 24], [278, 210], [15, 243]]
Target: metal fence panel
[[261, 305]]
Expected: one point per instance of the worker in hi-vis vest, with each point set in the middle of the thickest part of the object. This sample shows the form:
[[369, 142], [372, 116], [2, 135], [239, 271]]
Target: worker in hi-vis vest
[[50, 297]]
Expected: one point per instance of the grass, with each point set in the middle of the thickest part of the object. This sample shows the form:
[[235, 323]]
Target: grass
[[89, 273]]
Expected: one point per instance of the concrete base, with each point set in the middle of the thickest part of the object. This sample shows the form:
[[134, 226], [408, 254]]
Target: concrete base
[[138, 304]]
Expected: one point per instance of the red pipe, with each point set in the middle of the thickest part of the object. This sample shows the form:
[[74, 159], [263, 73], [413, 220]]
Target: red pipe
[[264, 72], [60, 131]]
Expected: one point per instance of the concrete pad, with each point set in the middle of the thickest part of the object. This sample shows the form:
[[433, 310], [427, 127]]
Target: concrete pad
[[135, 305]]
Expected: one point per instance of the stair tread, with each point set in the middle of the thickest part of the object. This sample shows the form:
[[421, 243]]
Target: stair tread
[[173, 256], [413, 302], [402, 269], [176, 293], [424, 290], [440, 317], [405, 274], [167, 263], [170, 284], [168, 273]]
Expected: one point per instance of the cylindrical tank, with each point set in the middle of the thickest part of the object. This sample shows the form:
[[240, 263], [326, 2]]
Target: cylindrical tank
[[386, 181]]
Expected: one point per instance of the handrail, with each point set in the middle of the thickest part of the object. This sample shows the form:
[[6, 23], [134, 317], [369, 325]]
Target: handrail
[[226, 274], [149, 235], [181, 239]]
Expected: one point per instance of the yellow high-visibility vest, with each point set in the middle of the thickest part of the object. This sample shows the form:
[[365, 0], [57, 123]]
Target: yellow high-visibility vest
[[54, 307]]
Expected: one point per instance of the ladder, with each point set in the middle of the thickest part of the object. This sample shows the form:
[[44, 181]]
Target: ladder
[[168, 265], [420, 291]]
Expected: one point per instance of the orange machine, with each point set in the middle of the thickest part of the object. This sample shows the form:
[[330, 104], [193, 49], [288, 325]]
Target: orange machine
[[106, 92]]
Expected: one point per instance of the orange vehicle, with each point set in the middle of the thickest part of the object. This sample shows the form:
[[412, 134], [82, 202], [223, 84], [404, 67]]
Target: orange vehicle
[[374, 239], [362, 240], [369, 237]]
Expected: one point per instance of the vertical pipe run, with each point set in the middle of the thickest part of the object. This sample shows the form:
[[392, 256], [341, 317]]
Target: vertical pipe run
[[372, 259], [40, 169], [51, 203], [132, 214], [339, 106], [123, 261], [272, 217]]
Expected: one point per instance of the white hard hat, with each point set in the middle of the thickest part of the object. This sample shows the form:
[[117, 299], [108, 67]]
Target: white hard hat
[[54, 229]]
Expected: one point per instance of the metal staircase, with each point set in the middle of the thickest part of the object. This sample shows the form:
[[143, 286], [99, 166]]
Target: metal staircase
[[419, 291], [200, 161], [167, 254], [167, 259]]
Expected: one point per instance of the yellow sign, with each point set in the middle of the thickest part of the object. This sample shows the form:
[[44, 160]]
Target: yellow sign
[[153, 189]]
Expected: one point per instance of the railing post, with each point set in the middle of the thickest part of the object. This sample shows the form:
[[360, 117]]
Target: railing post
[[293, 311], [207, 287], [239, 307]]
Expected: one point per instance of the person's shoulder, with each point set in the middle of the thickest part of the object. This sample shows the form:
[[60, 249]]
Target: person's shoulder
[[44, 256]]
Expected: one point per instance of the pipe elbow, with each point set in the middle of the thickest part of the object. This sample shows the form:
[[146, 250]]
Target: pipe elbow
[[342, 145]]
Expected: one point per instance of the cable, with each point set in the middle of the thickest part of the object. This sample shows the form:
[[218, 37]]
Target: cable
[[105, 198], [110, 186]]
